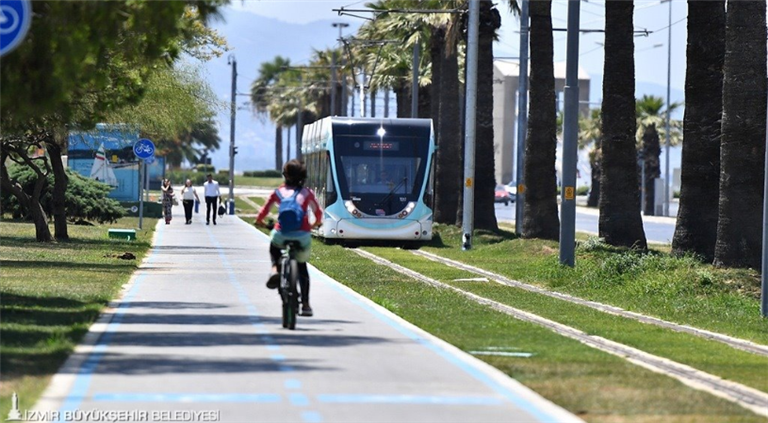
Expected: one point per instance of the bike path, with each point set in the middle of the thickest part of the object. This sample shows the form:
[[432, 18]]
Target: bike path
[[197, 336]]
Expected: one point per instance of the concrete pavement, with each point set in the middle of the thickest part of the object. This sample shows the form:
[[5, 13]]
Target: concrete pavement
[[196, 336]]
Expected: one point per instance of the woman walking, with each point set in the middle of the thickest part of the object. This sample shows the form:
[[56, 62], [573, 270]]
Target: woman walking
[[188, 197], [167, 200]]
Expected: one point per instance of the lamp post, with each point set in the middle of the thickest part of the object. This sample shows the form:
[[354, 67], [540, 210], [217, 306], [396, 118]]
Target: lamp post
[[232, 150]]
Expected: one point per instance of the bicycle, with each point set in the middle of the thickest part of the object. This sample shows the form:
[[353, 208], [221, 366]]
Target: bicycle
[[289, 281]]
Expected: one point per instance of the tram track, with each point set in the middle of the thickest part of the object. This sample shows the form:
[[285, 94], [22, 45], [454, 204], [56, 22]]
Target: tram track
[[741, 344], [747, 397]]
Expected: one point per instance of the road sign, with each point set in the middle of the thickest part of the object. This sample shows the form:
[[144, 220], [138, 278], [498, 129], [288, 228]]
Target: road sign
[[15, 18], [144, 148]]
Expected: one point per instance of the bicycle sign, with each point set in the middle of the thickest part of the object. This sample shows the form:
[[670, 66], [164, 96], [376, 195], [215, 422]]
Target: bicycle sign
[[15, 18], [144, 148]]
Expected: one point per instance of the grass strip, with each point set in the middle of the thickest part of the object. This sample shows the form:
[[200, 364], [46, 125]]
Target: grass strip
[[677, 289], [709, 356], [595, 385], [51, 293]]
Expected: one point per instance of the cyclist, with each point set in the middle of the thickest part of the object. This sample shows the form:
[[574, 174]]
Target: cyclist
[[294, 174]]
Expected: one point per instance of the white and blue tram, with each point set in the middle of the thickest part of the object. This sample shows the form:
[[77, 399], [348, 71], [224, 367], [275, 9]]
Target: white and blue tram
[[372, 176]]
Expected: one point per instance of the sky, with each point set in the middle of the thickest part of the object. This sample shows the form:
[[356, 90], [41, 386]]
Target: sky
[[257, 30]]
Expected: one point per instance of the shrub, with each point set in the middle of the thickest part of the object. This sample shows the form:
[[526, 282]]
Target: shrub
[[270, 173], [205, 168], [86, 199], [178, 177]]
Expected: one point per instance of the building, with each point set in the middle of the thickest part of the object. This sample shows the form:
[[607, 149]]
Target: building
[[505, 78]]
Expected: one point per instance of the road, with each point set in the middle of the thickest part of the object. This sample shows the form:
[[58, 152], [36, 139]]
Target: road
[[196, 331], [657, 229]]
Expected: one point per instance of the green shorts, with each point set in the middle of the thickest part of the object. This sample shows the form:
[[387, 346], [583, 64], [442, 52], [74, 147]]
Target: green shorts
[[304, 238]]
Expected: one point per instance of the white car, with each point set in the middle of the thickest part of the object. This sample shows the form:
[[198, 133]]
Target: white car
[[511, 188]]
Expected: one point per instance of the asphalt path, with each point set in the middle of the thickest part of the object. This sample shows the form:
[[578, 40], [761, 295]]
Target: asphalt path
[[657, 229], [197, 336]]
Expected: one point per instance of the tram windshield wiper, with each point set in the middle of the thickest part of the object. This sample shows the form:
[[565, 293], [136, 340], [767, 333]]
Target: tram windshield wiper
[[392, 191]]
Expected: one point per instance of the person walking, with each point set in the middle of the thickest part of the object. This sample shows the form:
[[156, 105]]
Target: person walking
[[212, 194], [188, 197], [167, 193]]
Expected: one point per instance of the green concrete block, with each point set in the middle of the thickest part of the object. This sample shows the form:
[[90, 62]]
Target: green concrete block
[[127, 234]]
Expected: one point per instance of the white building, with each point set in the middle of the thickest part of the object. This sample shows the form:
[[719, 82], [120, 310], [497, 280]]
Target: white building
[[505, 78]]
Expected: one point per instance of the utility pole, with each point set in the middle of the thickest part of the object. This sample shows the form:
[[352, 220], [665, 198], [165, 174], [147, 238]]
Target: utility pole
[[386, 103], [415, 80], [341, 26], [666, 125], [570, 139], [232, 149], [468, 217], [362, 94], [300, 119], [522, 117]]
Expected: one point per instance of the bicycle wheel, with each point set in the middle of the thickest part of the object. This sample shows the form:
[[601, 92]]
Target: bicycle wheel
[[292, 303]]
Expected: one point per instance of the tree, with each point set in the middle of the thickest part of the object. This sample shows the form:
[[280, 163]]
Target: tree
[[620, 220], [262, 95], [696, 228], [591, 134], [742, 151], [650, 128], [540, 213]]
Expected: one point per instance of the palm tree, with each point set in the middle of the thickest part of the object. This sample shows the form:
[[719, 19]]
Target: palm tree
[[540, 212], [262, 96], [742, 151], [696, 228], [650, 128], [620, 220]]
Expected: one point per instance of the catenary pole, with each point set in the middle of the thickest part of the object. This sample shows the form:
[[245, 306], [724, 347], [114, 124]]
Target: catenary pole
[[666, 125], [522, 117], [233, 109], [764, 270], [415, 80], [468, 211], [570, 139]]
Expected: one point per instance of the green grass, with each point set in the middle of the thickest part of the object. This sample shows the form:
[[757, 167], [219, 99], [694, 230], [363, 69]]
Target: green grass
[[708, 356], [51, 293], [250, 181], [243, 207], [597, 386], [681, 290]]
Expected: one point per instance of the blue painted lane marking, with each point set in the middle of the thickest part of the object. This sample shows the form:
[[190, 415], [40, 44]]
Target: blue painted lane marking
[[284, 368], [408, 399], [292, 384], [299, 400], [277, 357], [85, 374], [169, 397], [311, 417]]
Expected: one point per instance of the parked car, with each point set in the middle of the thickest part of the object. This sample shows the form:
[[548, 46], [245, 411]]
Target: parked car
[[501, 195], [511, 188]]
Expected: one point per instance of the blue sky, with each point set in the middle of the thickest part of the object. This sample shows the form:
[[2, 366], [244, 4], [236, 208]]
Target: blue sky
[[260, 29]]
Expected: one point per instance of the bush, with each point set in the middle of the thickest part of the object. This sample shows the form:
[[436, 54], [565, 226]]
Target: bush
[[178, 177], [270, 173], [224, 172], [205, 168], [86, 198], [583, 190]]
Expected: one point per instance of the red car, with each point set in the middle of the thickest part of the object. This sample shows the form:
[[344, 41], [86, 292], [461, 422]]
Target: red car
[[501, 195]]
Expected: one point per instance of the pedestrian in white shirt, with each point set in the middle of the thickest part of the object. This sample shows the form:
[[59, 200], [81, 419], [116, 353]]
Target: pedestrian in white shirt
[[188, 196], [211, 190]]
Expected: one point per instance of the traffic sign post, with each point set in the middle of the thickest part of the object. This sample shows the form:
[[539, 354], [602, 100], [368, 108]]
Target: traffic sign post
[[144, 149], [15, 19]]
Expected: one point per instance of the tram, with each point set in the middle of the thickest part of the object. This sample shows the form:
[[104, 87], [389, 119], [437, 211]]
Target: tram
[[372, 177]]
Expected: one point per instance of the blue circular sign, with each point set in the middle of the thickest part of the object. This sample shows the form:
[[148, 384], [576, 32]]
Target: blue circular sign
[[15, 18], [144, 148]]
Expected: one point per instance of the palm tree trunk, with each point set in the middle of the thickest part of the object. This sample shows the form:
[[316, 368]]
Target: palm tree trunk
[[651, 153], [696, 228], [742, 154], [278, 147], [485, 179], [620, 221], [449, 158], [403, 98], [425, 102], [540, 208]]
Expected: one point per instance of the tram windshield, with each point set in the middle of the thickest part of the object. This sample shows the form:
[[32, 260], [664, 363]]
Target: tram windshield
[[380, 174]]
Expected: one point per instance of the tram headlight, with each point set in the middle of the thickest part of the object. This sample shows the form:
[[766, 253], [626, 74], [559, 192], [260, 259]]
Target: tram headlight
[[407, 210], [352, 209]]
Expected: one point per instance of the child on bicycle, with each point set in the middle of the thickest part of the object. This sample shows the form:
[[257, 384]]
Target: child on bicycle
[[292, 190]]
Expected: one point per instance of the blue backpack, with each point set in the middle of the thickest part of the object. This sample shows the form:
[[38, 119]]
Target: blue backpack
[[290, 215]]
